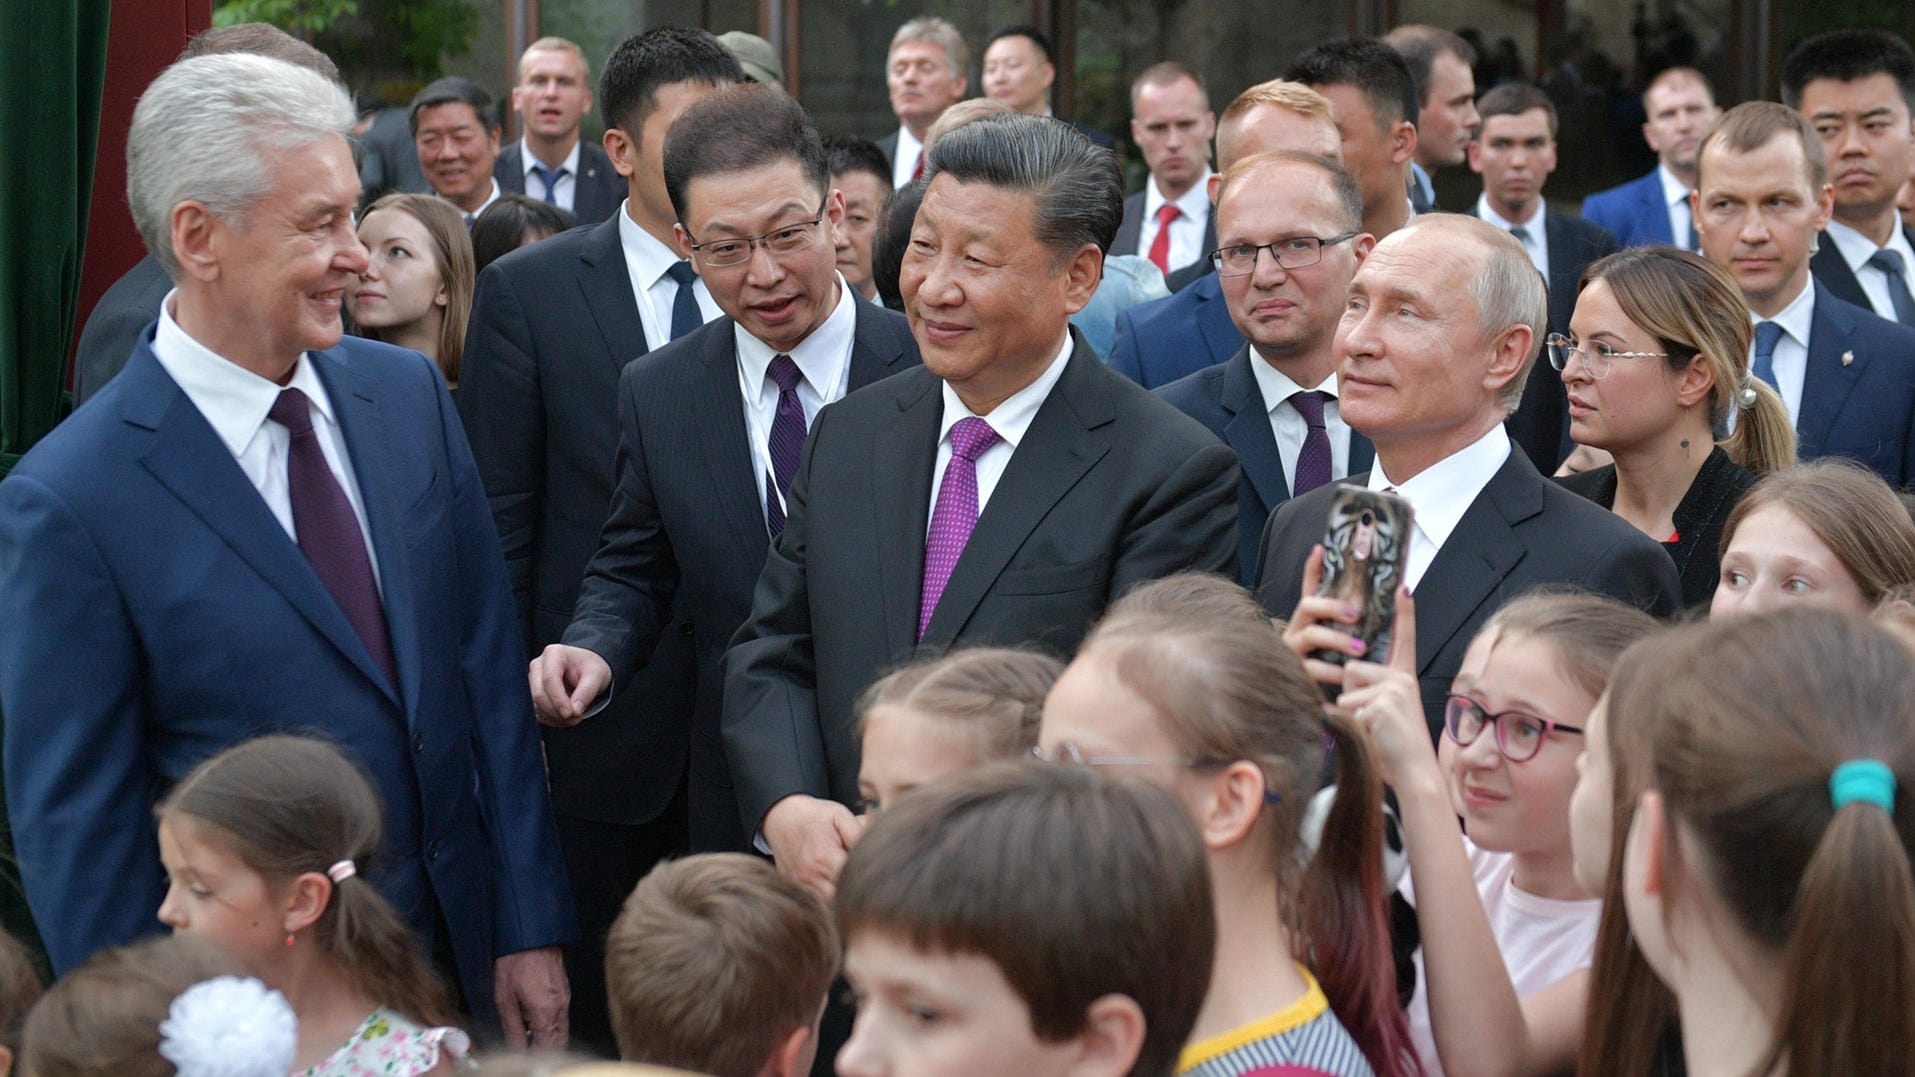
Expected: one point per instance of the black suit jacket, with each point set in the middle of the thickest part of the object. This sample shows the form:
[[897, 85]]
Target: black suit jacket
[[1540, 424], [597, 190], [1829, 267], [888, 145], [1521, 533], [1109, 487], [552, 326], [1131, 228], [1228, 401], [113, 329], [687, 531]]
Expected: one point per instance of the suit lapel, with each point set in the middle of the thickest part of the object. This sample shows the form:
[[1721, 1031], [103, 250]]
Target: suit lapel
[[607, 285], [1219, 333], [1053, 455], [1248, 431], [1362, 454], [1653, 209], [876, 349], [1470, 568], [1829, 380], [1831, 271], [188, 458], [355, 400], [905, 451], [719, 414]]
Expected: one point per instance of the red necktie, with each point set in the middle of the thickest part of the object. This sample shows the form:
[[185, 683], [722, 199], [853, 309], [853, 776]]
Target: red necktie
[[1160, 247], [918, 169]]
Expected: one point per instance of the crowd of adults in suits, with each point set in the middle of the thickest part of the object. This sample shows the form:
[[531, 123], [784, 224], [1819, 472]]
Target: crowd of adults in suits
[[583, 492]]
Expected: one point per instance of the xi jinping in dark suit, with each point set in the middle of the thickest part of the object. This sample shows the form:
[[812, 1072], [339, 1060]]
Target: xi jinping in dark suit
[[1004, 493]]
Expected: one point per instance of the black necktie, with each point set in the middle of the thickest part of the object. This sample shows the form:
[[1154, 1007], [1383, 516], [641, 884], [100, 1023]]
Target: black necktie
[[685, 313]]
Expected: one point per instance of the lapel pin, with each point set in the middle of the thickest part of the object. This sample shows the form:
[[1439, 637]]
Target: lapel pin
[[1847, 358]]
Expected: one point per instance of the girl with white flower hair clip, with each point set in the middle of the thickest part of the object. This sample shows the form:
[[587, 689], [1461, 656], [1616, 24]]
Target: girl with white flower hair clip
[[262, 845]]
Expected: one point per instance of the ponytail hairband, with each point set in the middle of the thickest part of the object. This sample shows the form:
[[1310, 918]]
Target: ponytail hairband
[[341, 871], [1867, 780]]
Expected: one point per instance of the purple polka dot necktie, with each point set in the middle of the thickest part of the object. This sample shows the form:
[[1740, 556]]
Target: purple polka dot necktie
[[787, 441], [955, 514], [1313, 462], [328, 532]]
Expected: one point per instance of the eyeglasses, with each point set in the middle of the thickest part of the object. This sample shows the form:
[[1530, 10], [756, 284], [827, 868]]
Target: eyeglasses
[[1519, 736], [1297, 252], [1066, 752], [1596, 356], [790, 239]]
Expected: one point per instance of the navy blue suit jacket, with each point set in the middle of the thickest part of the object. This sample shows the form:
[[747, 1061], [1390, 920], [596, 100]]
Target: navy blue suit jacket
[[153, 611], [1228, 401], [1832, 271], [1634, 212], [553, 324], [1858, 399], [597, 190], [1166, 339], [687, 532]]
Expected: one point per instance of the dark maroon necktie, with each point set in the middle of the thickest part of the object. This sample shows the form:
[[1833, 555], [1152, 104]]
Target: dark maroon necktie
[[787, 441], [328, 532]]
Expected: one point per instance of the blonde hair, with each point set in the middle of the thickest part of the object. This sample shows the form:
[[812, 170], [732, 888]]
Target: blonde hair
[[560, 44], [965, 111], [993, 694], [1284, 94]]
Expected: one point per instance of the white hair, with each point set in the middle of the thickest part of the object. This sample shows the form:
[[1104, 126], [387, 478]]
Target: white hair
[[207, 129]]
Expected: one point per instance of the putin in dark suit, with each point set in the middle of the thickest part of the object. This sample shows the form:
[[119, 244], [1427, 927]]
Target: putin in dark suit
[[1004, 493], [1440, 331]]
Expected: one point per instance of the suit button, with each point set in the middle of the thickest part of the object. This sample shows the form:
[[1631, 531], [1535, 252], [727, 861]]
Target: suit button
[[432, 850], [418, 742], [685, 628]]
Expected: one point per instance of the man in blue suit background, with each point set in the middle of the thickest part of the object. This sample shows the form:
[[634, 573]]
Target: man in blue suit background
[[1847, 376], [1161, 341], [1655, 208], [259, 526]]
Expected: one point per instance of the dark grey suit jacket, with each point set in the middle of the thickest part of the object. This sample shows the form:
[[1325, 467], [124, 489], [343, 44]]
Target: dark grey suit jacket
[[1829, 267], [597, 190], [552, 326], [687, 531], [1521, 533], [1109, 487], [1130, 230], [113, 329]]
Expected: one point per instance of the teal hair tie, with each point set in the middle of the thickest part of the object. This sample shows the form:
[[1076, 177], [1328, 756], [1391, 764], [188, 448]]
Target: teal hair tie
[[1863, 779]]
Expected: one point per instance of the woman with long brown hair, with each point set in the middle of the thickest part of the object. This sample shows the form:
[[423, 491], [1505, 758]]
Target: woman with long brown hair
[[1655, 364], [416, 290]]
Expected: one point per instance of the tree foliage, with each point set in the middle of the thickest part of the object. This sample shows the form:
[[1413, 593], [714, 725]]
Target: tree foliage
[[414, 36]]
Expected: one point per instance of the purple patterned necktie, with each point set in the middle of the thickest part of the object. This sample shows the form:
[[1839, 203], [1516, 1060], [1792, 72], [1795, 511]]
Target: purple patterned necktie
[[328, 532], [1313, 463], [787, 441], [956, 512]]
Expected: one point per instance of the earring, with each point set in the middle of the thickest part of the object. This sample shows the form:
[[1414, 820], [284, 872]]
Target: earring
[[289, 941]]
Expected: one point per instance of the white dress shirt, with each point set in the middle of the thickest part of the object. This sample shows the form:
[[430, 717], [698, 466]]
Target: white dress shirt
[[1791, 358], [1856, 249], [565, 191], [648, 260], [1538, 242], [1675, 196], [235, 401], [824, 360], [490, 198], [1011, 420], [1441, 493], [1287, 423], [906, 161], [1187, 231]]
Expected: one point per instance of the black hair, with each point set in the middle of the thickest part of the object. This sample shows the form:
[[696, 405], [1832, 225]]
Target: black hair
[[741, 127], [1370, 66], [645, 61], [1035, 35], [893, 238], [850, 154], [1075, 185], [1847, 55], [501, 229], [454, 90]]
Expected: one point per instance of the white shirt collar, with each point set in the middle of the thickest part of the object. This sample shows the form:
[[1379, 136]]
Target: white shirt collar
[[1012, 418], [528, 161], [1444, 491], [821, 356], [1857, 249], [1796, 318], [1194, 203], [1278, 387], [1673, 189], [490, 198], [1533, 226], [648, 257], [234, 400], [907, 157]]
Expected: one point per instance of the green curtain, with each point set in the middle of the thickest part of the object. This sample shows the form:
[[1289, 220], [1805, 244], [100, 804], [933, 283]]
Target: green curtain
[[52, 67]]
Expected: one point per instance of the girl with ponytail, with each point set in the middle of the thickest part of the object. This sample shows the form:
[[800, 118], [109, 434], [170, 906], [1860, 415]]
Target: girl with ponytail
[[1766, 872], [1656, 364], [1186, 684], [264, 845]]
